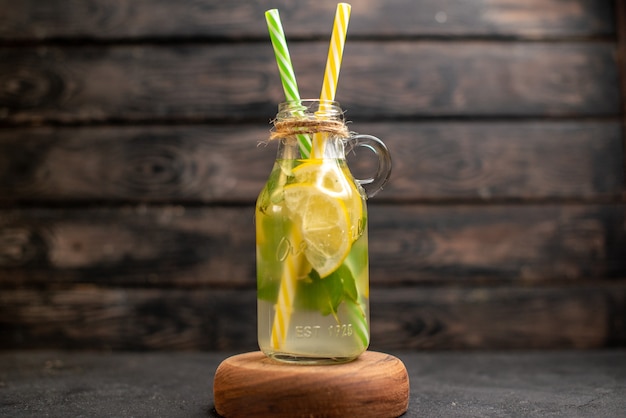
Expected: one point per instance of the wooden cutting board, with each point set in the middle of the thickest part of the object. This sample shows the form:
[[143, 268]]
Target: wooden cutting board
[[252, 385]]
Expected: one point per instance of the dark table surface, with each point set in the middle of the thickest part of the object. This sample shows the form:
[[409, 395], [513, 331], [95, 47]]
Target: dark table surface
[[443, 384]]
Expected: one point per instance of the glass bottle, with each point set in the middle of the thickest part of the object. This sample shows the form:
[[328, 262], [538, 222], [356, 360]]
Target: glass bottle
[[311, 239]]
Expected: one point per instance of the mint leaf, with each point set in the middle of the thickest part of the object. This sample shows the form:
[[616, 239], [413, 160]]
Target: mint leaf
[[317, 294], [349, 284]]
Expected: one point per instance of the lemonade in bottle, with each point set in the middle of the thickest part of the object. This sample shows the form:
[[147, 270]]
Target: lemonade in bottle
[[311, 230]]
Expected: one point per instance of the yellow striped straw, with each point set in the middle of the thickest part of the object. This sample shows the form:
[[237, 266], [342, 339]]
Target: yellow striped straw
[[333, 64], [286, 294]]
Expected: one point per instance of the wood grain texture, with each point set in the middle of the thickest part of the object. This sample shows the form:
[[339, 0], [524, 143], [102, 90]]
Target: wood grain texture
[[240, 81], [103, 20], [129, 246], [478, 317], [207, 163], [510, 317], [432, 161], [620, 17], [501, 243], [502, 160], [129, 168], [376, 385], [195, 247], [87, 317]]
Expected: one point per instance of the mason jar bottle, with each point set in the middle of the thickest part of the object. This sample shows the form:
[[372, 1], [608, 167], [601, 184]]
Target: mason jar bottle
[[311, 238]]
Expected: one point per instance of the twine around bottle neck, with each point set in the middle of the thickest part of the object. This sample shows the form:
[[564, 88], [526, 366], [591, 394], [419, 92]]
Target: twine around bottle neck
[[291, 128]]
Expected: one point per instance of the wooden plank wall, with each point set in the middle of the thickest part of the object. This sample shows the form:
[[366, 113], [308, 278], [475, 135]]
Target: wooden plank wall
[[129, 167]]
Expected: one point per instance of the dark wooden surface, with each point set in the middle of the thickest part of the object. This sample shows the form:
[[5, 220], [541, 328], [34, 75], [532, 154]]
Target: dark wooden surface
[[129, 166], [222, 81], [437, 244], [432, 161], [471, 384], [126, 19], [584, 316]]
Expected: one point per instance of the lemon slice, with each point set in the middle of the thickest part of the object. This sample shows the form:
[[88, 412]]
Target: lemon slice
[[329, 177], [324, 224]]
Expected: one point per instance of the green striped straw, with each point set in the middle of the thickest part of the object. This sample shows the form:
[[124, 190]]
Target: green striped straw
[[287, 76]]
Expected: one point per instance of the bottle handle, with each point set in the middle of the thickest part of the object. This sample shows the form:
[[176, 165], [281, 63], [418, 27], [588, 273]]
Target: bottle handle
[[372, 185]]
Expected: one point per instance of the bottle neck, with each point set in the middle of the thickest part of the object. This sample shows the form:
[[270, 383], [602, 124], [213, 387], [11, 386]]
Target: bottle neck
[[333, 148], [310, 129], [310, 109]]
